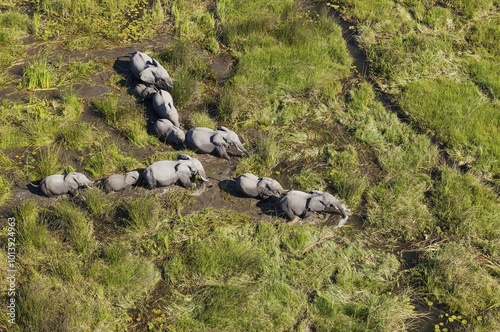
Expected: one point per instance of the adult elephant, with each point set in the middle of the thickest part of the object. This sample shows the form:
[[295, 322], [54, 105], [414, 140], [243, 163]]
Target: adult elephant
[[263, 188], [167, 172], [149, 70], [169, 133], [118, 182], [58, 184], [216, 142], [297, 203], [163, 104]]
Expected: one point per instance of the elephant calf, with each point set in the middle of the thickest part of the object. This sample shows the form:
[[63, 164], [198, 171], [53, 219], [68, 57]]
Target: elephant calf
[[58, 184], [166, 131], [143, 91], [118, 182], [163, 104], [262, 188], [216, 142], [301, 204], [167, 172]]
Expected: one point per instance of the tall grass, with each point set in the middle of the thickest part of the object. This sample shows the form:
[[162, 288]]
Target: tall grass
[[38, 75], [459, 116], [465, 207], [126, 117], [454, 275]]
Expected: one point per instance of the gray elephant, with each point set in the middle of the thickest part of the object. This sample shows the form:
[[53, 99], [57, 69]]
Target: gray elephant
[[167, 172], [163, 104], [118, 182], [169, 133], [143, 91], [58, 184], [262, 188], [148, 70], [300, 204], [216, 142]]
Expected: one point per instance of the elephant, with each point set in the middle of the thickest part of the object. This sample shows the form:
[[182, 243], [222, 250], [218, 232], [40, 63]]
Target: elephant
[[143, 91], [148, 70], [262, 188], [168, 132], [118, 182], [298, 203], [163, 104], [167, 172], [216, 142], [58, 184]]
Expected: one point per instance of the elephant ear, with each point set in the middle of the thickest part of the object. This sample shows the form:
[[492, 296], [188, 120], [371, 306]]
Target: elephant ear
[[223, 128], [71, 181], [315, 203], [265, 188], [218, 140], [182, 156]]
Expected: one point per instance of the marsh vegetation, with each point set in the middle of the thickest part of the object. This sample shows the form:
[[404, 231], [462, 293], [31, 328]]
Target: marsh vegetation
[[411, 146]]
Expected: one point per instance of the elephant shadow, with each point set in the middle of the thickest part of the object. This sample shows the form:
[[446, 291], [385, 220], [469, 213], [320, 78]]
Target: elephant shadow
[[267, 206], [270, 206], [122, 67], [229, 186], [33, 189]]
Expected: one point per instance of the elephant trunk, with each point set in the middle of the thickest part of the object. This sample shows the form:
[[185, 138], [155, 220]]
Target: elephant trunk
[[340, 209], [242, 149]]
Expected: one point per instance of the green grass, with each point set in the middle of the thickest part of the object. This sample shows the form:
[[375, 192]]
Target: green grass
[[346, 176], [38, 75], [126, 117], [13, 27], [460, 117], [149, 261], [454, 275], [107, 159], [465, 207]]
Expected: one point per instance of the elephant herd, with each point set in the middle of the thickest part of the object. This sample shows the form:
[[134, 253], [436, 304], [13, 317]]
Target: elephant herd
[[153, 83]]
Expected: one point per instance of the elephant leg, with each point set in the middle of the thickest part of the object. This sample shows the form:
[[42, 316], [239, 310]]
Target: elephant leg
[[221, 152], [73, 192], [185, 180], [306, 214], [289, 213]]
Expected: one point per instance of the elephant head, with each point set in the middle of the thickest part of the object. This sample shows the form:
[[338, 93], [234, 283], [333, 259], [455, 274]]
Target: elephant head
[[131, 178], [75, 180], [117, 182], [319, 201], [232, 139], [167, 131], [143, 91], [268, 187], [191, 166]]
